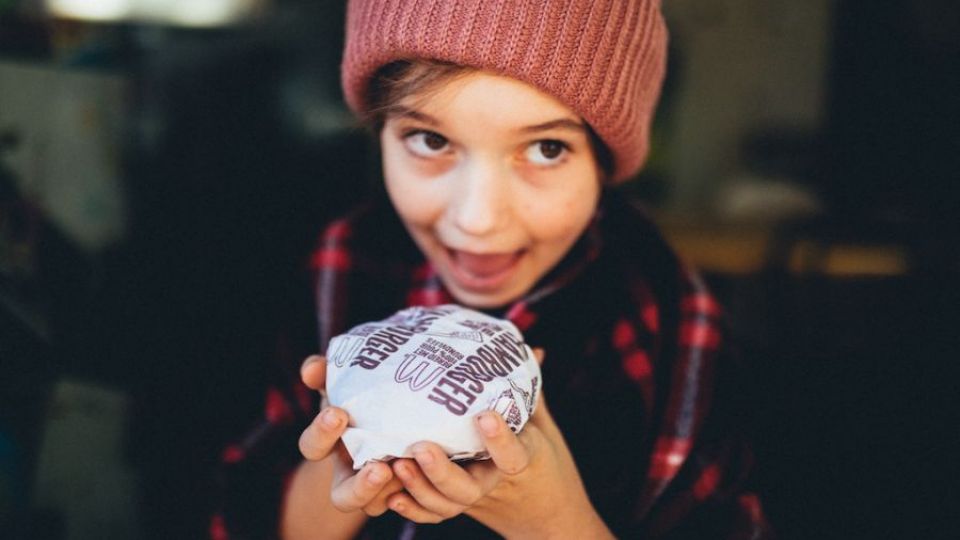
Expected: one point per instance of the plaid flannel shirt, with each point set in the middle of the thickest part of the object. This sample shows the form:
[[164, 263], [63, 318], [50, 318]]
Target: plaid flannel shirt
[[638, 372]]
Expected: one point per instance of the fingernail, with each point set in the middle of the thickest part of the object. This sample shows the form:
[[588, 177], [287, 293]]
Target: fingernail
[[375, 476], [423, 456], [330, 419], [403, 472], [488, 424]]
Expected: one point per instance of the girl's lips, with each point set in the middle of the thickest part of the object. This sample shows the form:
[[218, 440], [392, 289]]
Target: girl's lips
[[482, 271]]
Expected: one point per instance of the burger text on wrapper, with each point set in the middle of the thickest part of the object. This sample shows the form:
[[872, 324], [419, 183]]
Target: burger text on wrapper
[[423, 375]]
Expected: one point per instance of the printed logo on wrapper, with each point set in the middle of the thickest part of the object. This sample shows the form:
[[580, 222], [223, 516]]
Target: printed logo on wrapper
[[423, 374]]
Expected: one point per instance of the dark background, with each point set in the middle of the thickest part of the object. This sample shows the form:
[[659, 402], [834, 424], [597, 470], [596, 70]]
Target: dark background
[[227, 180]]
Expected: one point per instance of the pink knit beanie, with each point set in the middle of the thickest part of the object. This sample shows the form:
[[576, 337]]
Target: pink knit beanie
[[604, 59]]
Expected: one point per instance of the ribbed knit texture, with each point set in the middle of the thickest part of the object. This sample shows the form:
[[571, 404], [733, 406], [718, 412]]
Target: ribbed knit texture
[[605, 59]]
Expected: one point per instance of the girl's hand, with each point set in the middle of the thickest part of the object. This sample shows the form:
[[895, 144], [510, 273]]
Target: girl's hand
[[530, 488], [367, 489]]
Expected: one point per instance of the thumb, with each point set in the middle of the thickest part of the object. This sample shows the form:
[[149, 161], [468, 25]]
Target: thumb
[[539, 354], [313, 372], [541, 414]]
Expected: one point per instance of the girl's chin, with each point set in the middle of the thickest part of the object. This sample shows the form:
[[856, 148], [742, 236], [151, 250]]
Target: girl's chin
[[483, 301]]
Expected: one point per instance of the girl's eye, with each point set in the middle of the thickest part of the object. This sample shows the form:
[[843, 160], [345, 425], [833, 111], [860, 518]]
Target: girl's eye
[[426, 143], [547, 152]]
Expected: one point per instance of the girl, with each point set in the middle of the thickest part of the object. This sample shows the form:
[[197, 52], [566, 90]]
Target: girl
[[502, 125]]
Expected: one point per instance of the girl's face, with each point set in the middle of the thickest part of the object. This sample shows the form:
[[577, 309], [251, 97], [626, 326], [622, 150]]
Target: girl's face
[[494, 179]]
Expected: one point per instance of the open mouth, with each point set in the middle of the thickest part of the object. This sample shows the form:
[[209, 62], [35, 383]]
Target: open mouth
[[483, 271]]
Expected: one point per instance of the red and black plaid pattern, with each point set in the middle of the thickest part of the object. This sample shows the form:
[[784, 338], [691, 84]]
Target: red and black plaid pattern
[[662, 331]]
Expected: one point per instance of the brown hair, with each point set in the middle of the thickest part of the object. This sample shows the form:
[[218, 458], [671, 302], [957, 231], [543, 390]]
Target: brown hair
[[398, 80]]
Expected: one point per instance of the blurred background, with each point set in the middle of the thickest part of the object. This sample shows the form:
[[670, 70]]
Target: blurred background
[[165, 166]]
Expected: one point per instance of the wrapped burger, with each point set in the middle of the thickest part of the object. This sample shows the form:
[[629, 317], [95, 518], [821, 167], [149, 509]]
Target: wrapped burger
[[423, 375]]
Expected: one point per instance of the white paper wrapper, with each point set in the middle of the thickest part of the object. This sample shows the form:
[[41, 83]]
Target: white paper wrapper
[[423, 375]]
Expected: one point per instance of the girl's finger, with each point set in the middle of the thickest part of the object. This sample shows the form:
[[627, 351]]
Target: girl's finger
[[313, 372], [485, 473], [407, 507], [423, 492], [509, 454], [322, 434], [354, 491], [447, 477], [541, 416], [378, 505]]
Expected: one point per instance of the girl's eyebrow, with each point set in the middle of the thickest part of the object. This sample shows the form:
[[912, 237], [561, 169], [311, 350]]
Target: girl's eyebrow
[[407, 112], [560, 123]]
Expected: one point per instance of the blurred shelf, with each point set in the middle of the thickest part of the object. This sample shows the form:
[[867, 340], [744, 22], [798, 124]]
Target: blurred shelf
[[743, 248]]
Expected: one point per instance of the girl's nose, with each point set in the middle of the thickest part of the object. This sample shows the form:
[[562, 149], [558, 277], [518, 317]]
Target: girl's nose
[[480, 202]]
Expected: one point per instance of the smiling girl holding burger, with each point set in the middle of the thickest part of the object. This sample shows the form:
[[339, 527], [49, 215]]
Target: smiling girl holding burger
[[503, 125]]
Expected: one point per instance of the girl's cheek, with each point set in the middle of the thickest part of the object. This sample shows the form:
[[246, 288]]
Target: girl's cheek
[[416, 199], [561, 215]]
